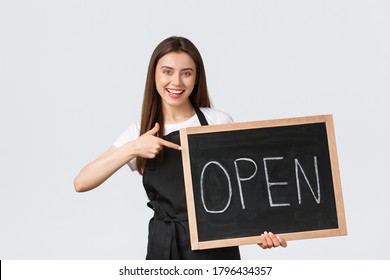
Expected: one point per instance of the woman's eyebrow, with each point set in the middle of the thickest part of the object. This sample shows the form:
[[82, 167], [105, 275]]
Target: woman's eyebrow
[[184, 69]]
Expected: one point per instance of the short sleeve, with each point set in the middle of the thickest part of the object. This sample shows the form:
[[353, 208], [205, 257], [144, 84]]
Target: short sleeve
[[215, 116], [129, 134]]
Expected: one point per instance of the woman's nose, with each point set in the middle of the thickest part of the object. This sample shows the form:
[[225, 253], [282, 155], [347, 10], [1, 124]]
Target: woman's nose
[[176, 80]]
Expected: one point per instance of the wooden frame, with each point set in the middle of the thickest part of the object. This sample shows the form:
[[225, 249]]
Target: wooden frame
[[327, 119]]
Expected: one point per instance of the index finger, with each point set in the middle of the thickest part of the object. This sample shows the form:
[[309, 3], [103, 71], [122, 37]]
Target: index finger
[[170, 144]]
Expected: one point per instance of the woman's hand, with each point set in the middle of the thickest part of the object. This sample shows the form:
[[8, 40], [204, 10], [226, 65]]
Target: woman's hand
[[148, 145], [270, 240]]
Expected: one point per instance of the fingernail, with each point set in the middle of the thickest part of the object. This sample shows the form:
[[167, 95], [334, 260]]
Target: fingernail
[[179, 148], [278, 237], [265, 232]]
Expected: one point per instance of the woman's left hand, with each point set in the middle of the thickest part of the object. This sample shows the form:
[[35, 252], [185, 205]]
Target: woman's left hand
[[270, 240]]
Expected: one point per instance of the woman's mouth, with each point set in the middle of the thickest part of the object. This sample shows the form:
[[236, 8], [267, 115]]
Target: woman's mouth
[[175, 93]]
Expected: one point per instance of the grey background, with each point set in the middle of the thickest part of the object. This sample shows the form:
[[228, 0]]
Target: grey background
[[72, 75]]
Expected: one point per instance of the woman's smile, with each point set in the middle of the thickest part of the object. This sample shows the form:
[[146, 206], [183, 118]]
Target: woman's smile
[[175, 93]]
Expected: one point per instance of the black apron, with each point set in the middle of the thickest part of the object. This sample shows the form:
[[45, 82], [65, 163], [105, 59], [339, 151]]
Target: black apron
[[169, 237]]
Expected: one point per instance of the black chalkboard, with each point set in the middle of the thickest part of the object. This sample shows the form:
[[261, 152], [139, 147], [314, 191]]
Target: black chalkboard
[[247, 178]]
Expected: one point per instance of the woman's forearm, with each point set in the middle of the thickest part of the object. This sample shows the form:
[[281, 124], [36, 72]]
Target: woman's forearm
[[99, 170]]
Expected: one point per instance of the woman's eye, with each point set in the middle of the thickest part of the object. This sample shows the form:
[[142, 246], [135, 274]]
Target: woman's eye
[[186, 73], [168, 72]]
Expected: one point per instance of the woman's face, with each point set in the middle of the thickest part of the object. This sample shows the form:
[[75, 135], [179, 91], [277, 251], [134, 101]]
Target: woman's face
[[175, 79]]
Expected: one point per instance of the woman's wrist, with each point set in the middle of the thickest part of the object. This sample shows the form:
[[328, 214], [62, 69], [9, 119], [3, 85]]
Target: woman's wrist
[[130, 150]]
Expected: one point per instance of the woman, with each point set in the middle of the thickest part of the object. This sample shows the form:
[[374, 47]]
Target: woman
[[176, 96]]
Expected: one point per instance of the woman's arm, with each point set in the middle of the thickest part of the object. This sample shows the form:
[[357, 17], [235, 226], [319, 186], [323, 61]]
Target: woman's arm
[[99, 170]]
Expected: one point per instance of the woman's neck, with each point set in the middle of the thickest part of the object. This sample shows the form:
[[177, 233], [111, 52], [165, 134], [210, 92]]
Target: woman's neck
[[178, 114]]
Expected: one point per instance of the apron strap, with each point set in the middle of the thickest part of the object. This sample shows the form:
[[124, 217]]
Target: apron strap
[[201, 117]]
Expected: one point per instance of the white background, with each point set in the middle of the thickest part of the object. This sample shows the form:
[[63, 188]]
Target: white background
[[72, 75]]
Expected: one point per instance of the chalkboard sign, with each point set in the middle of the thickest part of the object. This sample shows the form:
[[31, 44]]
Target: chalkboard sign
[[246, 178]]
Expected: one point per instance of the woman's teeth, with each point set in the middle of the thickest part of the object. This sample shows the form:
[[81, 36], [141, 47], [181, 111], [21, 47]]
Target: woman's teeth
[[173, 91]]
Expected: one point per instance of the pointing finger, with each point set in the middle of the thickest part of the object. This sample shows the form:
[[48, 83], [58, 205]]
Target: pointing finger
[[170, 144]]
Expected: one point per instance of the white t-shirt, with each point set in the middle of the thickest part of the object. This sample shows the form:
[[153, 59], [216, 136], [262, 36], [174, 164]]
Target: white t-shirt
[[131, 133]]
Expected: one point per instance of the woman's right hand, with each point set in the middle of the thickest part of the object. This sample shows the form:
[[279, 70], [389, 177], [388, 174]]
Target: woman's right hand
[[96, 172], [148, 145]]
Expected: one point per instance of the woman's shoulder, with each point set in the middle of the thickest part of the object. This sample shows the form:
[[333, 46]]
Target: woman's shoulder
[[215, 116]]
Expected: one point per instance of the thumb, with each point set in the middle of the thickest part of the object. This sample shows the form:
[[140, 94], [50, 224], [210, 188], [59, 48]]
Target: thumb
[[154, 130]]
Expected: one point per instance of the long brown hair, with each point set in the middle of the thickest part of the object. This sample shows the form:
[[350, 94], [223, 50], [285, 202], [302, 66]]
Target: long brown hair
[[151, 106]]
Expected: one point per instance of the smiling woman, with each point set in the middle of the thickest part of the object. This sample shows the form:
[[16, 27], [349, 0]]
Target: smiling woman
[[175, 97]]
